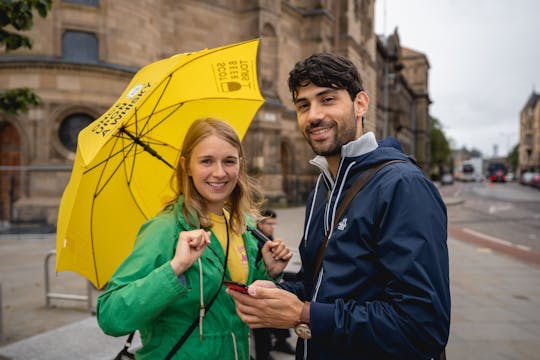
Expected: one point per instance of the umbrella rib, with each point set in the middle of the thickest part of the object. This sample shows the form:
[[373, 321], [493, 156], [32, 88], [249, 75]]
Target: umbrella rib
[[169, 78], [162, 120], [146, 147], [111, 155], [94, 260], [100, 188], [188, 101]]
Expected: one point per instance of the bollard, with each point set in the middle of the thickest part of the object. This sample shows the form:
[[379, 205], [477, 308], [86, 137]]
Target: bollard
[[50, 295]]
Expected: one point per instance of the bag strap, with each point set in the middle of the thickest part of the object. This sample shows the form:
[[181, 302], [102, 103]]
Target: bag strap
[[190, 329], [207, 308], [124, 352], [356, 187]]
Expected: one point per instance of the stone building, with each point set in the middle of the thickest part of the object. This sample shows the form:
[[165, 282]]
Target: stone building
[[86, 51], [529, 134], [403, 97]]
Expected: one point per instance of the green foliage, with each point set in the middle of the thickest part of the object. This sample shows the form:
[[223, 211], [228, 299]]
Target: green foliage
[[18, 14], [513, 157], [18, 100], [440, 148]]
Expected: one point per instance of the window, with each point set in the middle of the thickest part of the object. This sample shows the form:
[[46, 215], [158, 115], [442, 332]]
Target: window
[[84, 2], [81, 47], [70, 127]]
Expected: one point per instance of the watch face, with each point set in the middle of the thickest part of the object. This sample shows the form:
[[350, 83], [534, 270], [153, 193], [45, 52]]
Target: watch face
[[303, 331]]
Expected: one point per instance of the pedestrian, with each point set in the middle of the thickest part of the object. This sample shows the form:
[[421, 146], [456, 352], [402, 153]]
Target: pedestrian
[[379, 287], [268, 339], [172, 280]]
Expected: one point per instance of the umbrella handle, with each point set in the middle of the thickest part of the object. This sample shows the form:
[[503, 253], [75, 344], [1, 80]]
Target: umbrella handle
[[258, 235]]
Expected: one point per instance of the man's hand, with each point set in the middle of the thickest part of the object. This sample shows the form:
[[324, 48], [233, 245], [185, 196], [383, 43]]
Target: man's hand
[[276, 256], [266, 306]]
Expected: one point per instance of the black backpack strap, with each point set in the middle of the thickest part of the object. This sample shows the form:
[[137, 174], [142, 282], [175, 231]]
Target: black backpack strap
[[124, 353]]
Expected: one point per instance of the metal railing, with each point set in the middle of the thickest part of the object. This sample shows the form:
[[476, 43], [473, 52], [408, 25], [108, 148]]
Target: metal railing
[[74, 297]]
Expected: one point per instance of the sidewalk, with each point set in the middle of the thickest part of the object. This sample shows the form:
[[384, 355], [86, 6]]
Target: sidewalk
[[495, 304]]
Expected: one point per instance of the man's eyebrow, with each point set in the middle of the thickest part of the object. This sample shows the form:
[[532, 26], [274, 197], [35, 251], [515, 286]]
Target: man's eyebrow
[[320, 93]]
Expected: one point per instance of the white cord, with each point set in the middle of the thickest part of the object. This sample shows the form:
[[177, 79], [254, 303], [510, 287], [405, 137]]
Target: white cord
[[234, 345], [202, 310]]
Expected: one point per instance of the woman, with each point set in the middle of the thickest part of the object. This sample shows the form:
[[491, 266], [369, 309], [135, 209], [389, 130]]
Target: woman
[[182, 256]]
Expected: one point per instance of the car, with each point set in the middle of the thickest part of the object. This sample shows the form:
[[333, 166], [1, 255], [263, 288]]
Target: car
[[447, 179], [526, 177], [535, 181]]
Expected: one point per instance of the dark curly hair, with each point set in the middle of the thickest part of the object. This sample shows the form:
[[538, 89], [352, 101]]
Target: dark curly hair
[[326, 70]]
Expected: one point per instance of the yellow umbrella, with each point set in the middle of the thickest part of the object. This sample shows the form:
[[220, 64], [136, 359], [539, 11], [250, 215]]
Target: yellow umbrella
[[125, 159]]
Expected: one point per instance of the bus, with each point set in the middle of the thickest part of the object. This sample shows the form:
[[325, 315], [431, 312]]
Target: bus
[[497, 172]]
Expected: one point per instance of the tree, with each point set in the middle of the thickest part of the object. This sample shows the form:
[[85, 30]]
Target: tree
[[513, 157], [440, 149], [18, 15]]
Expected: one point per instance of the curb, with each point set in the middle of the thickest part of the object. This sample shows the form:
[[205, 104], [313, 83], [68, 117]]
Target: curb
[[495, 245]]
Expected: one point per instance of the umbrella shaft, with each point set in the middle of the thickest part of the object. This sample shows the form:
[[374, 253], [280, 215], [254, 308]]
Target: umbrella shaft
[[146, 147]]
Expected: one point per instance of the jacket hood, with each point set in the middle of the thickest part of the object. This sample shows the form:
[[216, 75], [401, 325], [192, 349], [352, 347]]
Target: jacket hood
[[366, 150]]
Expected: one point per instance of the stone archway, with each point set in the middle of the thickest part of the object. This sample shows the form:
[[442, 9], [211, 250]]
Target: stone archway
[[10, 175]]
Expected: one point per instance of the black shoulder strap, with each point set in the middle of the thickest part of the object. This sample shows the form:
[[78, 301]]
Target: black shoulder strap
[[356, 187]]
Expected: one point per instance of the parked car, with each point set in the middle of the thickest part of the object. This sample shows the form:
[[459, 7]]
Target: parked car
[[447, 179], [526, 177], [535, 181]]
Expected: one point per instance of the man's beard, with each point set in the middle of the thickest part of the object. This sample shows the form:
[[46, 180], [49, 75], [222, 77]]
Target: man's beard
[[342, 136]]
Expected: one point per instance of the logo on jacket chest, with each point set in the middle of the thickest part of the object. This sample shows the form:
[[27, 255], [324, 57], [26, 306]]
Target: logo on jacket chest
[[342, 224]]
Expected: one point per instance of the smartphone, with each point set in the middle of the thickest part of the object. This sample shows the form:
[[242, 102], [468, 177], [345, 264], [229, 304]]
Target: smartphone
[[236, 286]]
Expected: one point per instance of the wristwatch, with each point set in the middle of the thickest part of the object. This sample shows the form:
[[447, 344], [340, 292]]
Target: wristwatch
[[301, 327]]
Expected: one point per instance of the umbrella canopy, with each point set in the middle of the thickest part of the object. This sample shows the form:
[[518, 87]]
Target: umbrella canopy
[[125, 159]]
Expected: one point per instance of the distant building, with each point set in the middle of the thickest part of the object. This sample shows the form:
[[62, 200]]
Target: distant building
[[86, 51], [403, 97], [529, 134]]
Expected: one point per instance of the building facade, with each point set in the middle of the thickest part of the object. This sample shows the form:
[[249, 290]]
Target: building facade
[[403, 97], [86, 51], [529, 134]]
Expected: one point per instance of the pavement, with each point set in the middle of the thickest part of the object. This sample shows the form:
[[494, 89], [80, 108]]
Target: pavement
[[495, 300]]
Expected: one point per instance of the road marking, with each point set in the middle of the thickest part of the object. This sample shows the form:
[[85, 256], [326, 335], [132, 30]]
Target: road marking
[[496, 240], [497, 208], [523, 247]]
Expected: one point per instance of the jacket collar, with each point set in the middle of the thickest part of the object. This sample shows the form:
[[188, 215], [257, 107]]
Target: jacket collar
[[363, 145]]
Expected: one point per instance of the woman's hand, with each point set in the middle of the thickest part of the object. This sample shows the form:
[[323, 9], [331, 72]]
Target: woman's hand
[[189, 248], [276, 256]]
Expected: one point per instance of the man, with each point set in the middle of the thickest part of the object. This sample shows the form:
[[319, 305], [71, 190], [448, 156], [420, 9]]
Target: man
[[382, 291], [263, 336]]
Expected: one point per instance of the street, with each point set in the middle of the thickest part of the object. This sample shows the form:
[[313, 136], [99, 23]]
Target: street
[[505, 211], [494, 296]]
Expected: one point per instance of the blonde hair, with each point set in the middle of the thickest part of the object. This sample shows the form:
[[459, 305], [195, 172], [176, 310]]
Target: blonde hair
[[246, 195]]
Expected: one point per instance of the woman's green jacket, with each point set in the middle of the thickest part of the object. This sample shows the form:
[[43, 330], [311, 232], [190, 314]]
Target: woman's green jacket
[[145, 294]]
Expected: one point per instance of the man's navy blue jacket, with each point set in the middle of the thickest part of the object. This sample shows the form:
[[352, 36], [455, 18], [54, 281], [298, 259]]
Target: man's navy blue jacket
[[383, 291]]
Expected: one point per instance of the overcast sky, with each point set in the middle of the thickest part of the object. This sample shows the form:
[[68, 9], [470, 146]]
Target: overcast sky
[[485, 63]]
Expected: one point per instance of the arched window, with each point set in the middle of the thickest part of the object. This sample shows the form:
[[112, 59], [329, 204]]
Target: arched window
[[81, 47], [10, 179], [84, 2], [268, 58], [70, 127]]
